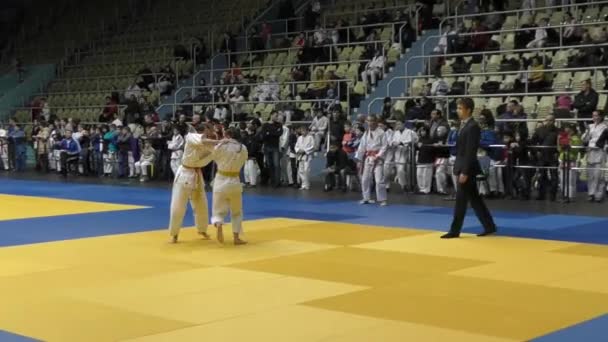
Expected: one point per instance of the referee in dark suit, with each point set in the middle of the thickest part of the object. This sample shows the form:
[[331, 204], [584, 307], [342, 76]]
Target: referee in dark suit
[[466, 169]]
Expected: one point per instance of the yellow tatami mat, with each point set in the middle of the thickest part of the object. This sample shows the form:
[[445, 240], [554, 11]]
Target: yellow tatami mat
[[19, 207], [299, 280]]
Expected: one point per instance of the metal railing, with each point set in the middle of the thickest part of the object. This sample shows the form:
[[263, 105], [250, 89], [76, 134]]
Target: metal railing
[[240, 103], [517, 11], [494, 52], [561, 28], [410, 8], [309, 33], [498, 73], [446, 98]]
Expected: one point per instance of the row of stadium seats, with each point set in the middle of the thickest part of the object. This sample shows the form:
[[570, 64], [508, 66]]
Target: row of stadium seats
[[74, 99], [562, 80]]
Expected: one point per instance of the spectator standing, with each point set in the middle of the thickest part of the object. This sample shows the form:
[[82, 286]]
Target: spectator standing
[[585, 102]]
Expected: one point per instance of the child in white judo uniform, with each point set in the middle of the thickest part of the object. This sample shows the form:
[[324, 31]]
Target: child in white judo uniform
[[189, 183], [230, 157]]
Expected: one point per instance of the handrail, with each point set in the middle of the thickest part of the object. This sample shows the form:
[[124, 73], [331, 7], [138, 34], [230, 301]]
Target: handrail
[[175, 105], [67, 79], [286, 65], [251, 52], [367, 10], [348, 28], [482, 53], [456, 17], [85, 65], [506, 72], [263, 51], [507, 95], [280, 84], [494, 32]]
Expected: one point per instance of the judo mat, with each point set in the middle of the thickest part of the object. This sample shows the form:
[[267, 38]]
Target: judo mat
[[91, 263]]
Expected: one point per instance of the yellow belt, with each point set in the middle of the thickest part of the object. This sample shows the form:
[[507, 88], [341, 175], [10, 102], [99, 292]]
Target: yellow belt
[[228, 173]]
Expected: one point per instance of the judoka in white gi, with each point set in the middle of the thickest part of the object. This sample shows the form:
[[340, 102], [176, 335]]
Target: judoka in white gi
[[370, 157], [189, 183], [402, 142], [595, 138], [176, 146], [305, 147], [389, 155], [230, 157]]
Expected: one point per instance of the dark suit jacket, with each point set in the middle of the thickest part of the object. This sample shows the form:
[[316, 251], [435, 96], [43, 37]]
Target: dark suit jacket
[[466, 150]]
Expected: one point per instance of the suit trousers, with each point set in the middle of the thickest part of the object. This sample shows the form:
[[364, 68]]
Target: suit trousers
[[466, 193]]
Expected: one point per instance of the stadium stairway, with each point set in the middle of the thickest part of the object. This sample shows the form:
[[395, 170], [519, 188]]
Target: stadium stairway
[[398, 87], [15, 94]]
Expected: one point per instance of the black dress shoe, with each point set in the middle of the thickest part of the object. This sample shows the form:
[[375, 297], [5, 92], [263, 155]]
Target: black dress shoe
[[450, 235], [488, 232]]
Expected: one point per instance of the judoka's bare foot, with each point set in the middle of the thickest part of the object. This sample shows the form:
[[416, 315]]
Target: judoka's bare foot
[[238, 241], [220, 233], [173, 239], [204, 235]]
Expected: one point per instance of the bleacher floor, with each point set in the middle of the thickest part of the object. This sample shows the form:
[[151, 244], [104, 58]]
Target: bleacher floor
[[91, 262]]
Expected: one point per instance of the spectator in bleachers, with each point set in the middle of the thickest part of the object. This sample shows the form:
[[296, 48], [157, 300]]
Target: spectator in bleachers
[[585, 102], [572, 33], [529, 5], [408, 33], [546, 135], [147, 159], [540, 35], [299, 41], [494, 20], [536, 81], [479, 40], [596, 139], [460, 65], [109, 111], [228, 44], [374, 69], [266, 35]]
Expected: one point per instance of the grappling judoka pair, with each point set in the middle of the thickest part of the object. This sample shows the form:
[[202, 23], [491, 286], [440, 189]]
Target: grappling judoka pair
[[229, 155]]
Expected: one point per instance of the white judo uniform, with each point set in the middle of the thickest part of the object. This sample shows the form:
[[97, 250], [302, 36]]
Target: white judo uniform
[[402, 143], [190, 185], [176, 146], [371, 151], [230, 157], [389, 157], [4, 149], [305, 147], [596, 158]]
